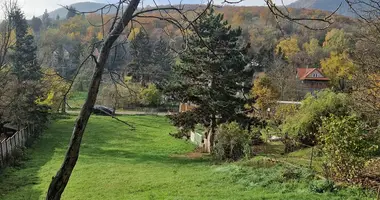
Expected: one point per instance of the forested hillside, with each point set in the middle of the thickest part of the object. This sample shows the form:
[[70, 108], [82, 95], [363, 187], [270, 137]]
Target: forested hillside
[[64, 42]]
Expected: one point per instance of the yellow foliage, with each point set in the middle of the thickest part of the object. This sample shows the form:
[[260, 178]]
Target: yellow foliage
[[127, 79], [312, 47], [336, 40], [264, 92], [289, 47], [338, 66], [133, 33], [74, 35], [47, 101], [55, 87], [99, 36]]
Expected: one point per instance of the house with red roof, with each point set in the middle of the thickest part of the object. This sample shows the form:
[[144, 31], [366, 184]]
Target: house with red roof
[[312, 79]]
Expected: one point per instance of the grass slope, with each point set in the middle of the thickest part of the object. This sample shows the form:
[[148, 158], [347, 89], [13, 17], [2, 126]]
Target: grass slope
[[117, 163]]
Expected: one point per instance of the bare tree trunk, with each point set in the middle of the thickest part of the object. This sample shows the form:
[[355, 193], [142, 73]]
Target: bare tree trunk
[[59, 182], [63, 106], [210, 138]]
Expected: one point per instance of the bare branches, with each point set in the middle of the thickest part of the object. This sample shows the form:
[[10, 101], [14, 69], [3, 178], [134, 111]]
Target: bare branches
[[283, 13]]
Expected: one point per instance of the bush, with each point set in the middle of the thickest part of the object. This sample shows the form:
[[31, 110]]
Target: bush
[[322, 186], [134, 94], [303, 125], [151, 95], [347, 144], [232, 142]]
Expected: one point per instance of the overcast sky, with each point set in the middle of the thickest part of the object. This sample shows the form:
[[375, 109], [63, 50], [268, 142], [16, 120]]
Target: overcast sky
[[37, 7]]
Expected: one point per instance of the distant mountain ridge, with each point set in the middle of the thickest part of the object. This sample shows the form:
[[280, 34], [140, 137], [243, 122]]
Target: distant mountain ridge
[[81, 6], [326, 5]]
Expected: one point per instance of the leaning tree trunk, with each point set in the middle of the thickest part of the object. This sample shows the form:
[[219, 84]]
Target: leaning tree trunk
[[59, 182]]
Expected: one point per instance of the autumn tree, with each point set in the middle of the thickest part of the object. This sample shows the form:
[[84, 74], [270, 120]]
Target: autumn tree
[[265, 94], [312, 47], [337, 40], [282, 76], [339, 68], [289, 47]]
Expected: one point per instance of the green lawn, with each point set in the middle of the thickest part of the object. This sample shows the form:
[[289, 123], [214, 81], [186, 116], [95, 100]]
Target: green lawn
[[76, 100], [118, 163]]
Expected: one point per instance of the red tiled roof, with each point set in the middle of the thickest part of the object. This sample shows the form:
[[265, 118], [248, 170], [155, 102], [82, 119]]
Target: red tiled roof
[[303, 73]]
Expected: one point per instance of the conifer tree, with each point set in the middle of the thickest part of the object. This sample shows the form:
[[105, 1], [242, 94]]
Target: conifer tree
[[46, 21], [163, 60], [141, 53], [214, 74], [24, 57], [27, 72]]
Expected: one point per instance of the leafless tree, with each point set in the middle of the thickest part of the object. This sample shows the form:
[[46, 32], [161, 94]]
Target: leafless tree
[[366, 56], [6, 42]]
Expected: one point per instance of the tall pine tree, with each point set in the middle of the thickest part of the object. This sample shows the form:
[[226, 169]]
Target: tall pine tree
[[24, 57], [141, 53], [214, 74], [46, 21], [24, 109], [163, 62]]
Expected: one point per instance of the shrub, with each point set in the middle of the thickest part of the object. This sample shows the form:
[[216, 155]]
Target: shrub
[[303, 126], [151, 95], [322, 186], [347, 144], [231, 142]]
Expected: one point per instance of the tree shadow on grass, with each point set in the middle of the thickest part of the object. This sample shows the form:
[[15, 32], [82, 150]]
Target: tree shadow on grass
[[19, 182], [110, 155], [105, 139]]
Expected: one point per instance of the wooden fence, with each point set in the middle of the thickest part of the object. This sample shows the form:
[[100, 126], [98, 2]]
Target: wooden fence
[[7, 146]]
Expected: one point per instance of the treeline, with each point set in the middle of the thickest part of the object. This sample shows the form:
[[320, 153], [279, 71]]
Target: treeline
[[149, 47]]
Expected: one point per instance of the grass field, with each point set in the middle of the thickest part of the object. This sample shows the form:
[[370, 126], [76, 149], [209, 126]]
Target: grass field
[[76, 100], [118, 163]]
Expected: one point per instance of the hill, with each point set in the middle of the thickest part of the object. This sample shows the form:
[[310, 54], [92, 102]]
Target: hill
[[326, 5], [81, 6]]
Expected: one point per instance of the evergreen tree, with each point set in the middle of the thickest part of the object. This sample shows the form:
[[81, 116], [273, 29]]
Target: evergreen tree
[[36, 24], [46, 21], [57, 18], [24, 57], [214, 75], [163, 60], [24, 109], [141, 53], [71, 12]]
